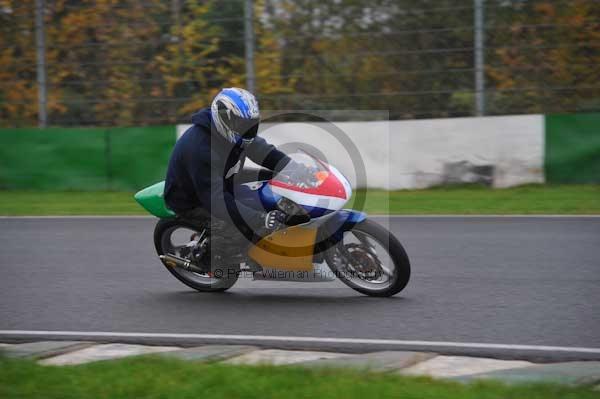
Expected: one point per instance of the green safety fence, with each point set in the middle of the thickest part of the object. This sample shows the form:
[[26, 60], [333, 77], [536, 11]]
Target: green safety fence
[[572, 153], [84, 158]]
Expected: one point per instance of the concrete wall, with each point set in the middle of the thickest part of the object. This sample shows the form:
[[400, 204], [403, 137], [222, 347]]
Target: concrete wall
[[500, 151]]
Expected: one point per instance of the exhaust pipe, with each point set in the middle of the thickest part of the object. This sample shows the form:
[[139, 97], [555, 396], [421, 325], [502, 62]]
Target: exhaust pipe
[[174, 261]]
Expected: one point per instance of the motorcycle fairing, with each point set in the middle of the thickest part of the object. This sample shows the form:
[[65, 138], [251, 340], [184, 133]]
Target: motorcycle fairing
[[294, 249], [341, 221], [328, 193], [151, 199], [290, 249], [330, 186]]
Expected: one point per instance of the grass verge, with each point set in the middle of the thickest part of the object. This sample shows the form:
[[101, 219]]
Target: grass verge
[[531, 199], [468, 200], [154, 377]]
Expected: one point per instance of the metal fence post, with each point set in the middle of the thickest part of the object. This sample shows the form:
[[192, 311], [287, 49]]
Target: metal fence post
[[176, 15], [479, 57], [40, 46], [249, 45]]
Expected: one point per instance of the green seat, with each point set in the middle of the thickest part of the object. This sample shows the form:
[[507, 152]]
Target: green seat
[[152, 199]]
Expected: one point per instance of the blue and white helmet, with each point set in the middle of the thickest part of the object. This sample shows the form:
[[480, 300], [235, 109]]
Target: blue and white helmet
[[235, 114]]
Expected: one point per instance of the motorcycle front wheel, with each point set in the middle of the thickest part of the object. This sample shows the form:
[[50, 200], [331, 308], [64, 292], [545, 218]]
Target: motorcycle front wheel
[[170, 237], [370, 260]]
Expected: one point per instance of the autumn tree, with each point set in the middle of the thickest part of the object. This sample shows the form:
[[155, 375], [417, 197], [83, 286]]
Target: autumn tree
[[546, 57], [18, 91], [141, 62]]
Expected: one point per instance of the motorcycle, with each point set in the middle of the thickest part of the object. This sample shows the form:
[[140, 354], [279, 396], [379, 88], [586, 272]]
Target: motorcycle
[[321, 242]]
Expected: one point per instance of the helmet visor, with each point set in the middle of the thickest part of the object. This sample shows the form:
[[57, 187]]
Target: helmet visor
[[246, 128]]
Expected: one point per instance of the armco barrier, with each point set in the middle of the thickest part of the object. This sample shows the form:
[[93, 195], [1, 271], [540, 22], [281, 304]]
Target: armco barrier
[[84, 158]]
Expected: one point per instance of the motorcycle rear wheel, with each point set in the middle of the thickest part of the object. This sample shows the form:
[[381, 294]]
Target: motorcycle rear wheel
[[368, 233], [163, 243]]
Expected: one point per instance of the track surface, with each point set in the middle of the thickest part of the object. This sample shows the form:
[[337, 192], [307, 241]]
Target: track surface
[[527, 281]]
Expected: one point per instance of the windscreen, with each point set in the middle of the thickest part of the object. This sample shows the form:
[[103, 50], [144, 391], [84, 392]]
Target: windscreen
[[304, 171]]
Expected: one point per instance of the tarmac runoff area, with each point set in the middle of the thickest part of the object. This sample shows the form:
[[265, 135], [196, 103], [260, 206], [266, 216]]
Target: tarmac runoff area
[[459, 368]]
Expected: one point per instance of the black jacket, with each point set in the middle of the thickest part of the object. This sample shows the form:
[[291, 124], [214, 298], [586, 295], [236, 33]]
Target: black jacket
[[202, 166]]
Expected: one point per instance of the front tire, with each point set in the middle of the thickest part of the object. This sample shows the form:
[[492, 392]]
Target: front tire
[[367, 229], [163, 243]]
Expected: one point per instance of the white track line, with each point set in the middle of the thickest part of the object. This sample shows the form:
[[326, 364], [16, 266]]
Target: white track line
[[291, 339]]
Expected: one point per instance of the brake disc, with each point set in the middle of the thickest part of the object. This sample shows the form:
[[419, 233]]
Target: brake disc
[[359, 261]]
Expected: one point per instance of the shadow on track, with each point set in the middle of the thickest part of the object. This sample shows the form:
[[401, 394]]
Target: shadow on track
[[276, 297]]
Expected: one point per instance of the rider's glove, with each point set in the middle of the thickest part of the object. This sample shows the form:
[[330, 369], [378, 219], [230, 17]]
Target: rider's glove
[[275, 220]]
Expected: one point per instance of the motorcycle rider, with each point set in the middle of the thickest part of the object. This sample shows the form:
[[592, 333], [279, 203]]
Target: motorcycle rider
[[200, 177]]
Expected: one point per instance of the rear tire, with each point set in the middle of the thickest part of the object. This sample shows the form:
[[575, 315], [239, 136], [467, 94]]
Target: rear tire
[[397, 255], [192, 280]]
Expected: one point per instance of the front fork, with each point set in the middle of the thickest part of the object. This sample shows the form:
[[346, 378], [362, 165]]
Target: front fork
[[331, 232]]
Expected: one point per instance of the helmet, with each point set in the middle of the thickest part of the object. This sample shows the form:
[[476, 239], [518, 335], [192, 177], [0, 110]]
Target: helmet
[[235, 114]]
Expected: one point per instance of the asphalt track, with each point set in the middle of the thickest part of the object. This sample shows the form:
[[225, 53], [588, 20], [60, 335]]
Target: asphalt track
[[494, 286]]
